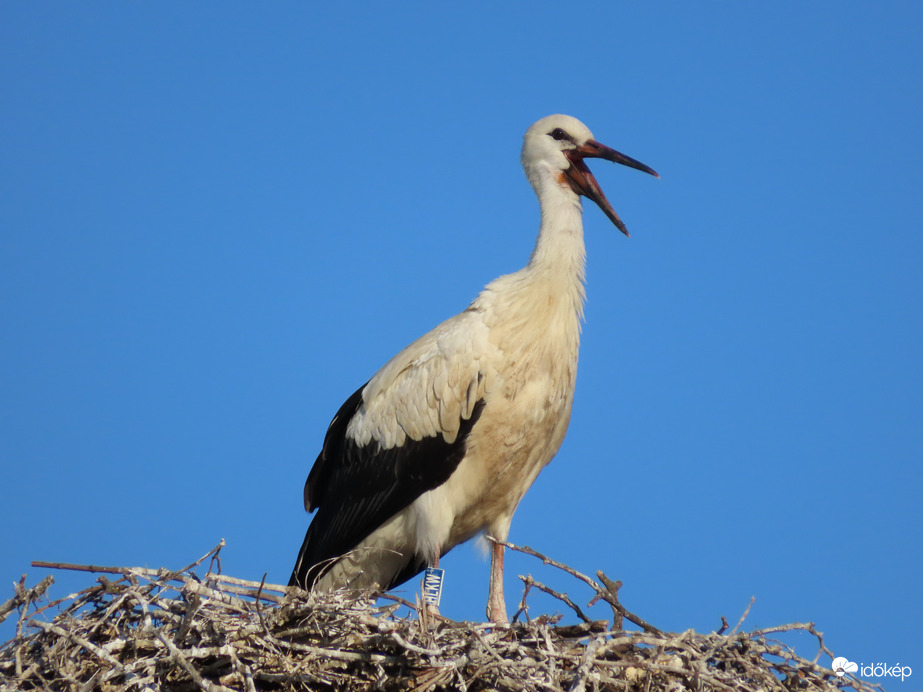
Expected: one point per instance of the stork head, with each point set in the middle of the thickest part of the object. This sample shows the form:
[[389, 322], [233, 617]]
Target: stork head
[[554, 149]]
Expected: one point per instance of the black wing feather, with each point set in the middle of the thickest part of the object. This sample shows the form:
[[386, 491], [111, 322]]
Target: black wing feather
[[357, 488]]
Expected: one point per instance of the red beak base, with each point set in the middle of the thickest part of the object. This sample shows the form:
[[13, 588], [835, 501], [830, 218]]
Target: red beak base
[[583, 182]]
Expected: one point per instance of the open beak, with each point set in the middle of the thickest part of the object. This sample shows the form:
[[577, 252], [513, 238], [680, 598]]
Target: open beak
[[583, 182]]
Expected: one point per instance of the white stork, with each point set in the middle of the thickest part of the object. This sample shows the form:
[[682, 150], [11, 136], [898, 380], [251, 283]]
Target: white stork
[[443, 442]]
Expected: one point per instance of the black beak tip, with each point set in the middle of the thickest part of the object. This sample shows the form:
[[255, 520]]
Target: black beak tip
[[649, 171], [619, 224]]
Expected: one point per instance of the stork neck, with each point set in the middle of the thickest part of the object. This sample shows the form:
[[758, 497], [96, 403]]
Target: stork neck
[[559, 248]]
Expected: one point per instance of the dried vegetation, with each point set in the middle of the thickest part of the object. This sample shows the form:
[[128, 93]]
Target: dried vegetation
[[144, 629]]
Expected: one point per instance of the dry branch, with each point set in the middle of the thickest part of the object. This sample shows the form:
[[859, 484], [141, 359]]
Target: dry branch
[[175, 630]]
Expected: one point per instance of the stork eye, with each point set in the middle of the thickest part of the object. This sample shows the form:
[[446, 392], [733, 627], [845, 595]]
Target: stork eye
[[559, 134]]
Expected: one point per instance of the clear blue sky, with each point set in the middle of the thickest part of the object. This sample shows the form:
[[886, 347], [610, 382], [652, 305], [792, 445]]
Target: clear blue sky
[[218, 219]]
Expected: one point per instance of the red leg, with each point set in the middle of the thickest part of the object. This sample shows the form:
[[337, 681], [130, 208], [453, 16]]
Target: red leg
[[496, 606]]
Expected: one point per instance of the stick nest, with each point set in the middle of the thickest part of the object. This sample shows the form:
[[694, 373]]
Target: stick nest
[[174, 630]]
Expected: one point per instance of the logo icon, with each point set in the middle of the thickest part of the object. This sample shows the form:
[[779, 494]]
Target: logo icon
[[841, 666]]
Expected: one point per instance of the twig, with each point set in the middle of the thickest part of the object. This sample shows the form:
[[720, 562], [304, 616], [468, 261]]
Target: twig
[[548, 561], [177, 656], [611, 597], [529, 581], [93, 568], [413, 647], [128, 570], [806, 626], [609, 593], [586, 664], [743, 617], [523, 607], [613, 588], [80, 641], [24, 597]]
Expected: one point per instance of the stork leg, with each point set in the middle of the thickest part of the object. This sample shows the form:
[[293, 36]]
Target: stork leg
[[496, 606]]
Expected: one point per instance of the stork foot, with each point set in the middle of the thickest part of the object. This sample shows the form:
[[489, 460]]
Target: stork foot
[[496, 607], [496, 613]]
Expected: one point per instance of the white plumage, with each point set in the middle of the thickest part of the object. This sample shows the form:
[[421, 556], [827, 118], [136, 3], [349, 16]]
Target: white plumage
[[444, 441]]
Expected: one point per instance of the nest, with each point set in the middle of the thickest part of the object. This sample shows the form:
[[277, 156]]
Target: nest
[[174, 630]]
